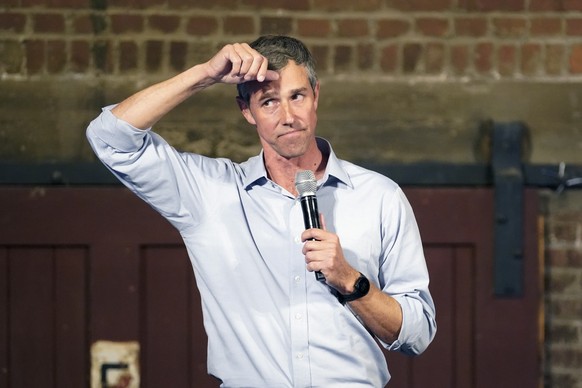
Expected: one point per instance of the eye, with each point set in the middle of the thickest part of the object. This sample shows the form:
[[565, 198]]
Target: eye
[[297, 97], [269, 103]]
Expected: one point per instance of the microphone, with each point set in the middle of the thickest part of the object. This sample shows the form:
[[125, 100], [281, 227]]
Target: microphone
[[306, 186]]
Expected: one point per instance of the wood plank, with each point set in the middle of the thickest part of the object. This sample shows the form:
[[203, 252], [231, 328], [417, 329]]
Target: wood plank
[[71, 308], [32, 317], [165, 317], [4, 314]]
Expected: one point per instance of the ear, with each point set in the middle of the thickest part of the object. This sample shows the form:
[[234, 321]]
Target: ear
[[245, 110]]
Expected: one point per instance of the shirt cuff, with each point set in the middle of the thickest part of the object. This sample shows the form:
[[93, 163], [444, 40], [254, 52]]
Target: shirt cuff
[[116, 132]]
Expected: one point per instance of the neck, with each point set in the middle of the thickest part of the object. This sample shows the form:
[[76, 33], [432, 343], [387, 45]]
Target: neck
[[282, 171]]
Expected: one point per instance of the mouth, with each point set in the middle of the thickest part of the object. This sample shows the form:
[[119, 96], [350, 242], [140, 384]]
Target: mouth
[[293, 132]]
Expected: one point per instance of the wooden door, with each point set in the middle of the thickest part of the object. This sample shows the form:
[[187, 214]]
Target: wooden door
[[482, 340], [82, 265]]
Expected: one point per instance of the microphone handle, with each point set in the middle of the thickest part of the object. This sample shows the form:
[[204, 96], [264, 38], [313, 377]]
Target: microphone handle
[[311, 220]]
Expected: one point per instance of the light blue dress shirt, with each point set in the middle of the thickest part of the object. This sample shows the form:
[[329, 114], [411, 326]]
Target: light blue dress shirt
[[269, 322]]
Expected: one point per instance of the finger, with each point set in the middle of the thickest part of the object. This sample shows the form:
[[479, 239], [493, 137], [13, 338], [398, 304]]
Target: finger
[[249, 57], [311, 234]]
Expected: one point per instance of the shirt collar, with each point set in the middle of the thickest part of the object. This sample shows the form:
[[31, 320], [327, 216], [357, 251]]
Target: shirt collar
[[256, 173]]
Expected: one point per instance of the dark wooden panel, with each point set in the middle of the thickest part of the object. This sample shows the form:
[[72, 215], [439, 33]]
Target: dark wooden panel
[[31, 317], [4, 317], [114, 291], [482, 341], [166, 319], [46, 338], [173, 337], [447, 362], [71, 307]]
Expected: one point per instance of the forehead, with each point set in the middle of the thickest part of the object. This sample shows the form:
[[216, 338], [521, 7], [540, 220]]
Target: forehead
[[291, 78]]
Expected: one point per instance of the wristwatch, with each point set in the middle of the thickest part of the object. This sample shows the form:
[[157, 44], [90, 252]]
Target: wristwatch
[[361, 288]]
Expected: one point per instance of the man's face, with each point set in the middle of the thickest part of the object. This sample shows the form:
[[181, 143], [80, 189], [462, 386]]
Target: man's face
[[284, 112]]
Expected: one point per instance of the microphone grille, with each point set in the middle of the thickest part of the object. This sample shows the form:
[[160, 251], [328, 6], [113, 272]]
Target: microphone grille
[[305, 183]]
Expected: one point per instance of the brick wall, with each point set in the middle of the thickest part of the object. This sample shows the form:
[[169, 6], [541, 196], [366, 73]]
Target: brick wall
[[477, 39], [438, 67], [564, 290]]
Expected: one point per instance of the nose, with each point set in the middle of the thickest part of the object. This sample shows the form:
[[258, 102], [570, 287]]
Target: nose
[[287, 113]]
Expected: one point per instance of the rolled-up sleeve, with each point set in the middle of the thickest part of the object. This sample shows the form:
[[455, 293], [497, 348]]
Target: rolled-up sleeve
[[405, 277], [146, 164]]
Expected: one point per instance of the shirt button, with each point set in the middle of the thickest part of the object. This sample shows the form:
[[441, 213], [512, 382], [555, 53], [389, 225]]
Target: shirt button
[[298, 239], [299, 356], [298, 316], [297, 279]]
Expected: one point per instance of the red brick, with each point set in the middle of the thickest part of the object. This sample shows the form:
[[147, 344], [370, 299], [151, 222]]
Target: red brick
[[56, 56], [411, 57], [470, 26], [82, 24], [295, 5], [79, 4], [392, 28], [320, 28], [35, 56], [346, 5], [103, 56], [164, 23], [575, 60], [506, 60], [546, 5], [354, 28], [342, 58], [150, 3], [389, 58], [12, 21], [509, 27], [572, 5], [531, 58], [365, 56], [483, 57], [80, 56], [568, 309], [276, 25], [420, 5], [154, 52], [130, 4], [178, 53], [11, 56], [492, 5], [321, 55], [554, 59], [432, 26], [460, 58], [574, 27], [434, 58], [49, 23], [124, 23], [128, 56], [202, 25], [237, 25], [546, 26]]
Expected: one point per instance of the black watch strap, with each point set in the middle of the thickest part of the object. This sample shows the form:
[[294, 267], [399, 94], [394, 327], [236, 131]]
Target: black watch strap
[[361, 288]]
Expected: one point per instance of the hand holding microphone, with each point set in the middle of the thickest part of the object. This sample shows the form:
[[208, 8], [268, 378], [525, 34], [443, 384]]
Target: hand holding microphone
[[306, 185]]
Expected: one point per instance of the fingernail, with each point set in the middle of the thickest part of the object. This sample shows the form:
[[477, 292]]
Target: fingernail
[[261, 78]]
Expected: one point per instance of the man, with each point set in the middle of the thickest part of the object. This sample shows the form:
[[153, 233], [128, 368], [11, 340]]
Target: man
[[270, 322]]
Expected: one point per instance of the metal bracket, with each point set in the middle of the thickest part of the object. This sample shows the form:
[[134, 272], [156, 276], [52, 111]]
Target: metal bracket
[[107, 367], [508, 179]]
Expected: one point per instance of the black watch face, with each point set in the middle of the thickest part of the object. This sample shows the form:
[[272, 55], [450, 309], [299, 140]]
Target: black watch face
[[363, 285]]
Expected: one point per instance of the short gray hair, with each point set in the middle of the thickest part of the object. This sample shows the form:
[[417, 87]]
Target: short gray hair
[[279, 49]]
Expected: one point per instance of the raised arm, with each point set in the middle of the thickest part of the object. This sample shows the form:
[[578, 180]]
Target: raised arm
[[233, 64]]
